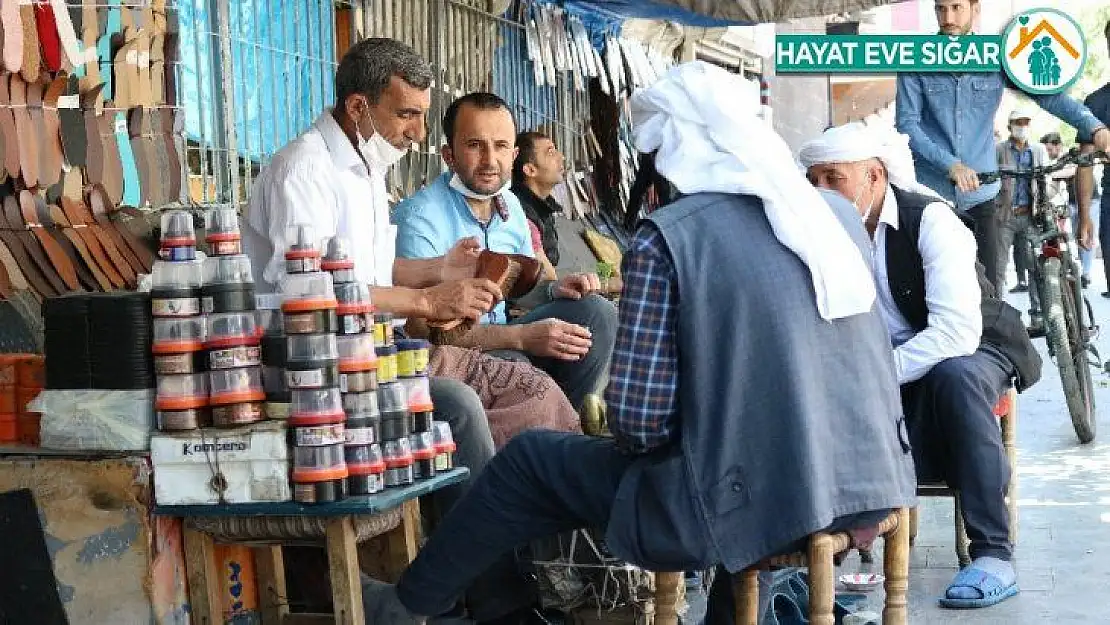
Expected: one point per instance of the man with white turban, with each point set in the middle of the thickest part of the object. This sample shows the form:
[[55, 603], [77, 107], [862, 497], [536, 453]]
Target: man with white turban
[[781, 417], [957, 348]]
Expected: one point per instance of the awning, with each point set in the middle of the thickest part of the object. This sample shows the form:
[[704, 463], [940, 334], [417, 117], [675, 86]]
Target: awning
[[709, 13]]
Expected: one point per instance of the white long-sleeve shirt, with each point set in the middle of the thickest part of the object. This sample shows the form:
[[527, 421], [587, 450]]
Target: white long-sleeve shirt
[[320, 180], [952, 294]]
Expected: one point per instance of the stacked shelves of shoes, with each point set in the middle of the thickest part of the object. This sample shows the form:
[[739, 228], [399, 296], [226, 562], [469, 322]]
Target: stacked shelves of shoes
[[87, 116], [88, 111]]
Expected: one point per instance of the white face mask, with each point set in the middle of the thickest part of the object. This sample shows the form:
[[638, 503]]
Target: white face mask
[[458, 185], [379, 153], [866, 215], [1021, 133]]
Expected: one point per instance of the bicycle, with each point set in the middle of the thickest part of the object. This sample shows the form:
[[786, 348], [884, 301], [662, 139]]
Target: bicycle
[[1056, 279]]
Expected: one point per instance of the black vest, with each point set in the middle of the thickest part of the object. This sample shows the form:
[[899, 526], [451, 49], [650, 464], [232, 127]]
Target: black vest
[[542, 213], [1003, 328]]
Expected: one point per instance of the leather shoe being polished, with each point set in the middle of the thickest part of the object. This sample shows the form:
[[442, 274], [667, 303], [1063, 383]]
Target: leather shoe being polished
[[514, 274]]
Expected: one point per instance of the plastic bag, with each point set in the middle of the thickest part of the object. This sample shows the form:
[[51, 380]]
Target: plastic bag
[[95, 420]]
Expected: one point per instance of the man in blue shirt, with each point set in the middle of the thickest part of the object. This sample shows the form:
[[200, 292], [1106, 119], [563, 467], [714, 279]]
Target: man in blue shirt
[[571, 332], [948, 118], [1099, 104]]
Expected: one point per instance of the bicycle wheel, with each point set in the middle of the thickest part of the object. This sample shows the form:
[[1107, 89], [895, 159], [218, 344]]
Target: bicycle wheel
[[1061, 317]]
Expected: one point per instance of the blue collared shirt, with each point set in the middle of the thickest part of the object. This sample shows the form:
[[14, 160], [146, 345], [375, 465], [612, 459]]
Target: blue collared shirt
[[1023, 195], [950, 118], [430, 223]]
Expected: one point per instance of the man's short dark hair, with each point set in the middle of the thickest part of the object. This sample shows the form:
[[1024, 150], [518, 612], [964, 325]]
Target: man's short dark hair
[[526, 144], [1052, 138], [479, 100], [370, 64]]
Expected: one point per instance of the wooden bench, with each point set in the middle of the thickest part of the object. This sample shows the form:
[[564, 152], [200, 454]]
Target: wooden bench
[[393, 514]]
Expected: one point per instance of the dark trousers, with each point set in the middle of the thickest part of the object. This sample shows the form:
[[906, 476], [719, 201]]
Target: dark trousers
[[956, 438], [501, 588], [720, 609], [458, 404], [577, 378], [541, 483], [1104, 233], [1021, 256], [986, 240]]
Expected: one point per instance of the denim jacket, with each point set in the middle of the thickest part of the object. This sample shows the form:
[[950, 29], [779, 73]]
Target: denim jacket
[[1099, 103], [950, 118]]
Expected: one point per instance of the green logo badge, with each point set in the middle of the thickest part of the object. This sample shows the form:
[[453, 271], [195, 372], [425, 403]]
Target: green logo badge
[[1043, 51]]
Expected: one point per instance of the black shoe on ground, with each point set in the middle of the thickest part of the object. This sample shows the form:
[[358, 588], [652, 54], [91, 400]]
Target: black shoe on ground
[[1084, 282], [1020, 288], [1106, 294], [1036, 332]]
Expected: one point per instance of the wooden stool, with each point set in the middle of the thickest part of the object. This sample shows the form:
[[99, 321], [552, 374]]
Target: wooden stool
[[339, 522], [822, 573], [1006, 411]]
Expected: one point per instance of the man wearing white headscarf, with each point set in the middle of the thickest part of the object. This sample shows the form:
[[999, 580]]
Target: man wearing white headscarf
[[956, 346], [781, 417]]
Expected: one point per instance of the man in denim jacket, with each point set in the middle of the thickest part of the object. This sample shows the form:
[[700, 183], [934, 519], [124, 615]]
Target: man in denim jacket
[[949, 118], [1099, 103]]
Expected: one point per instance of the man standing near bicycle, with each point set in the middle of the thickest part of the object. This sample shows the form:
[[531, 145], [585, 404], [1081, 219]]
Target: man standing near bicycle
[[948, 118], [957, 347], [1015, 200]]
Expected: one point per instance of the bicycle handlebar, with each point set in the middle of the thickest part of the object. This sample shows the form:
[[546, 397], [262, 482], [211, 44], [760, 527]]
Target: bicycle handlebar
[[1073, 157]]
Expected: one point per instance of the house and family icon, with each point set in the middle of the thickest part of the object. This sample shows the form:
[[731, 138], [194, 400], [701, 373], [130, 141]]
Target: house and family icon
[[1044, 51]]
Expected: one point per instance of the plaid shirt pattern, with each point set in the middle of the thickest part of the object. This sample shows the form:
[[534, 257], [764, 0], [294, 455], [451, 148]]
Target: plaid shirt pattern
[[643, 378]]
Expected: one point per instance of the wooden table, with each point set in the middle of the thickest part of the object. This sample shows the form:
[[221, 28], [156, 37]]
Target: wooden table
[[401, 545]]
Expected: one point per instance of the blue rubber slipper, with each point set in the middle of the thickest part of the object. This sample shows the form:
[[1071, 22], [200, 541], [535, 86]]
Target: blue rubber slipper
[[987, 585]]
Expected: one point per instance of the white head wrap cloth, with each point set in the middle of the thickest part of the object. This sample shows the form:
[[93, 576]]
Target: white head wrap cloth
[[857, 141], [702, 123]]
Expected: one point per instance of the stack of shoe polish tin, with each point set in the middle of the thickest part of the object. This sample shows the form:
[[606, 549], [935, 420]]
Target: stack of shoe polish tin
[[316, 417], [233, 341], [273, 356], [179, 328], [358, 373], [412, 375], [393, 403]]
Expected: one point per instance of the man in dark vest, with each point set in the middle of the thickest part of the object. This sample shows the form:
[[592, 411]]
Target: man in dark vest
[[780, 418], [957, 348], [537, 169]]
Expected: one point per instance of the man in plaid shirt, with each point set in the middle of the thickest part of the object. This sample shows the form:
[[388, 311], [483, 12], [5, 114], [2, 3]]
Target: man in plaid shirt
[[752, 395]]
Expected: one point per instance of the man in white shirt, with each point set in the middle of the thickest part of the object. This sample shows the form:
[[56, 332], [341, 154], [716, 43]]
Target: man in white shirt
[[952, 369], [332, 177]]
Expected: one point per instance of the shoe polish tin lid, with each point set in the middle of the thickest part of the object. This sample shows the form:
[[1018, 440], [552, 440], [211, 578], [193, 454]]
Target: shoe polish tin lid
[[177, 229], [303, 254]]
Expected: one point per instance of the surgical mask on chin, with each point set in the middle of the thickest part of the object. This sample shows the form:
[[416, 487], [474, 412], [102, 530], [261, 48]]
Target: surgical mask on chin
[[378, 152], [866, 215], [458, 185], [1021, 133]]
